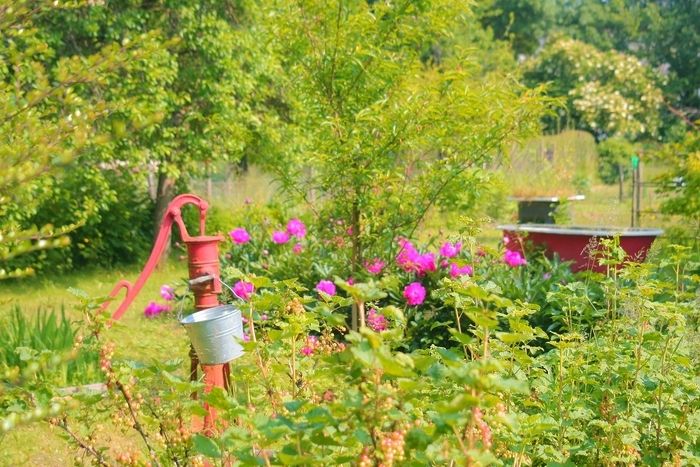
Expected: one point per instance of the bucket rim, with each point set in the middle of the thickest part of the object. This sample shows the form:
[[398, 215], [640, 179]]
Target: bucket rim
[[201, 316]]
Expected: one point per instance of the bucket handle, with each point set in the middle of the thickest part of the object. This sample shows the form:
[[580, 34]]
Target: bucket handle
[[201, 280]]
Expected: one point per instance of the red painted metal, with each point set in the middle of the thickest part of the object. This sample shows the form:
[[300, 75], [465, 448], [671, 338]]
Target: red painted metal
[[203, 260], [204, 247], [579, 245]]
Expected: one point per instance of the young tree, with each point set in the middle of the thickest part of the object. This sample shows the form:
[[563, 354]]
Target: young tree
[[388, 132]]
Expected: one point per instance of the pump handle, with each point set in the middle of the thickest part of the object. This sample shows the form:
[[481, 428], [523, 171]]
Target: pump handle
[[173, 214]]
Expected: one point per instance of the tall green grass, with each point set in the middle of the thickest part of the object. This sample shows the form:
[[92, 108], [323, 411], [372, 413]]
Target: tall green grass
[[23, 338]]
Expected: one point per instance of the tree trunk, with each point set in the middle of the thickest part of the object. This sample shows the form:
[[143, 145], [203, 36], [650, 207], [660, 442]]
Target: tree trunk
[[164, 195], [356, 258]]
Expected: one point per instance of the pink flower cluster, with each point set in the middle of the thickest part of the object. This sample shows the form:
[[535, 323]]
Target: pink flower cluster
[[295, 228], [311, 345], [326, 286], [153, 309], [513, 258], [450, 250], [456, 270], [414, 293], [411, 260], [239, 236], [376, 321], [243, 289], [375, 266], [167, 292]]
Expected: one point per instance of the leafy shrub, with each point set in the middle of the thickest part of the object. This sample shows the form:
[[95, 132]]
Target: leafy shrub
[[614, 157], [115, 217], [682, 198]]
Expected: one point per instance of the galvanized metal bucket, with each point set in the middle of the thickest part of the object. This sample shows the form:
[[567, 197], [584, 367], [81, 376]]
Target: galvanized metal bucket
[[214, 333]]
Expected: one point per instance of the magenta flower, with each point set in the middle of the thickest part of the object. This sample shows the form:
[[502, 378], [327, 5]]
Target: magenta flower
[[280, 237], [456, 270], [513, 258], [326, 287], [297, 248], [376, 321], [153, 309], [296, 228], [350, 281], [414, 293], [246, 337], [375, 266], [167, 292], [450, 250], [411, 260], [239, 236], [243, 289], [311, 345], [426, 263]]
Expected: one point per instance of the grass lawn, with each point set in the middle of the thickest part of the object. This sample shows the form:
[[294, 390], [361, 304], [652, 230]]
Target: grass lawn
[[136, 338]]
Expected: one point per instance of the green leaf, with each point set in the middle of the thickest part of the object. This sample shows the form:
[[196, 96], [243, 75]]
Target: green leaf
[[206, 446]]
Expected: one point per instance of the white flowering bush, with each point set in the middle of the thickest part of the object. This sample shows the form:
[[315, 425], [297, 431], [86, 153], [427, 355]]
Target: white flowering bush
[[608, 93]]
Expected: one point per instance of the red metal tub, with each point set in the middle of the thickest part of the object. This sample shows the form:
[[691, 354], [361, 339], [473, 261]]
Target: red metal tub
[[578, 244]]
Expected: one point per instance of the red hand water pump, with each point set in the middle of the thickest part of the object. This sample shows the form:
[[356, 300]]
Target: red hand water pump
[[203, 265]]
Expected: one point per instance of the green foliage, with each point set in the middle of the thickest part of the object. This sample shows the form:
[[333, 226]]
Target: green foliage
[[524, 23], [386, 135], [56, 110], [607, 93], [22, 340], [614, 159], [681, 184]]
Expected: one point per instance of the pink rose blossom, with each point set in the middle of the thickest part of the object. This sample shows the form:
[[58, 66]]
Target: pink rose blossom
[[246, 337], [350, 281], [375, 266], [450, 250], [426, 263], [264, 317], [243, 289], [239, 236], [296, 228], [513, 258], [376, 321], [326, 287], [280, 237], [297, 248], [414, 293], [167, 292], [456, 270], [411, 260]]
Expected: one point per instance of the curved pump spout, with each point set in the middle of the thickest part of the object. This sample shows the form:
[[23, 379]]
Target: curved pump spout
[[202, 251]]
